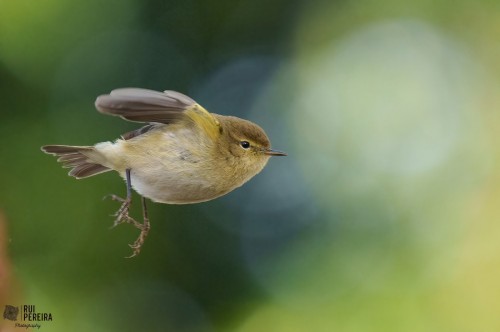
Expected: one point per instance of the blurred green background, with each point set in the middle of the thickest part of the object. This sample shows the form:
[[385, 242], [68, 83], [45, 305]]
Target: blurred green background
[[384, 217]]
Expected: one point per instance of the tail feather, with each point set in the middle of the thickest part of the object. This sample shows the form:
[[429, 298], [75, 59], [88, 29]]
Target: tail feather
[[74, 157]]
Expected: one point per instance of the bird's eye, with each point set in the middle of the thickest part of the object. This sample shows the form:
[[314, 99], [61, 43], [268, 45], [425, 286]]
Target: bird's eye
[[245, 144]]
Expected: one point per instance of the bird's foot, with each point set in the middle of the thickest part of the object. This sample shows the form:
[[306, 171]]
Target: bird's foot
[[144, 228], [122, 215]]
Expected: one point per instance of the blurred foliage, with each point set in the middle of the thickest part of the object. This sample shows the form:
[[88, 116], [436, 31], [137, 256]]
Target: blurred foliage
[[384, 217]]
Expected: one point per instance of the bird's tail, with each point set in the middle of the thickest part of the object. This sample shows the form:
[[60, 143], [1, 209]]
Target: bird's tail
[[78, 158]]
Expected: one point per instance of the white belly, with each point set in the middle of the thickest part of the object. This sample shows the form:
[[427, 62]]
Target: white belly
[[174, 187]]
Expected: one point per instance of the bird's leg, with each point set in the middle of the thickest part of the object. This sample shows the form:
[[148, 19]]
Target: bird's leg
[[122, 213], [144, 227]]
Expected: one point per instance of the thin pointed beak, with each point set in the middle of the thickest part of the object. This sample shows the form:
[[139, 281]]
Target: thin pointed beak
[[271, 152]]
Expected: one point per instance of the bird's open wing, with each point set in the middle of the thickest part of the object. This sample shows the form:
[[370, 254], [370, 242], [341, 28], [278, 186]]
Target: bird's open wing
[[142, 105]]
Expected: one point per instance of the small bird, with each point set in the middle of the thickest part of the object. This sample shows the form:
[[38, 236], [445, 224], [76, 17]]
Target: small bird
[[183, 155]]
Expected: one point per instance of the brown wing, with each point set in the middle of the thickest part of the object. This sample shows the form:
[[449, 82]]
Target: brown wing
[[142, 105]]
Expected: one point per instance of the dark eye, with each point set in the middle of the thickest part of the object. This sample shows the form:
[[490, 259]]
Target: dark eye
[[245, 144]]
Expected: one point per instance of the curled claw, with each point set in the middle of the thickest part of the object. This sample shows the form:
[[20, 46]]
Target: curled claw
[[137, 245], [122, 215], [114, 198]]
